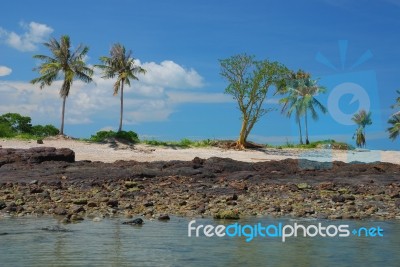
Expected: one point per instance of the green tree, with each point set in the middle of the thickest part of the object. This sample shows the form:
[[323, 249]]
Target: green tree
[[394, 120], [248, 82], [301, 93], [63, 62], [362, 119], [17, 123], [120, 63], [291, 100]]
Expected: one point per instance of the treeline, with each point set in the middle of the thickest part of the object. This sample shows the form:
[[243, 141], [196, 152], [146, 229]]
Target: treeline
[[14, 124]]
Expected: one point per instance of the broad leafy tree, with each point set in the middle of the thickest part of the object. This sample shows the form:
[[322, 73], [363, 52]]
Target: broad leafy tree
[[249, 81], [122, 65], [63, 64]]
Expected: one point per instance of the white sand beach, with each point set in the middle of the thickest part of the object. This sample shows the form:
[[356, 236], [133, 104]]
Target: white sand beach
[[141, 152]]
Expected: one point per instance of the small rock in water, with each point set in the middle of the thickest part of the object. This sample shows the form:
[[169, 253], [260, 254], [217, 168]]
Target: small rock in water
[[164, 217], [97, 219], [55, 228], [137, 221]]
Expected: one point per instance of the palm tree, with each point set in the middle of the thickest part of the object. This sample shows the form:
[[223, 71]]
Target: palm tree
[[63, 63], [394, 131], [120, 64], [308, 101], [394, 120], [362, 119], [302, 91], [290, 105]]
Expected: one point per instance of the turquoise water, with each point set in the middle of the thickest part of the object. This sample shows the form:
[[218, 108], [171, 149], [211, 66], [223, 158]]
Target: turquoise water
[[110, 243]]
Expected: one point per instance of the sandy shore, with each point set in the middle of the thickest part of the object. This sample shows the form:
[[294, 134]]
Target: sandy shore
[[140, 152]]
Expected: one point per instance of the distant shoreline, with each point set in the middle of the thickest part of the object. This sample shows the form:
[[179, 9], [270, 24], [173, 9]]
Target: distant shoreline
[[141, 152]]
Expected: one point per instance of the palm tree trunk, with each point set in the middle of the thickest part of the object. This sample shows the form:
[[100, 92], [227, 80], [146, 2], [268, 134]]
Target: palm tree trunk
[[122, 105], [62, 116], [305, 118], [301, 135]]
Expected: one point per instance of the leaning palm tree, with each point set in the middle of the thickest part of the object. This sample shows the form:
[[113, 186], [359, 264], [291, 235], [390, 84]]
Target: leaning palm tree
[[120, 63], [394, 120], [394, 130], [63, 63], [362, 119]]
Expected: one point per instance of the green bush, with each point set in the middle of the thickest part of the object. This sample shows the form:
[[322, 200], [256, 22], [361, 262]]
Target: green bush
[[15, 125], [6, 130], [43, 131], [102, 136], [17, 122]]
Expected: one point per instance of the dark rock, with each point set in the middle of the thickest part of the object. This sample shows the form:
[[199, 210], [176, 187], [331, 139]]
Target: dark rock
[[35, 155], [137, 221], [12, 207], [163, 217], [148, 204], [81, 201], [92, 204], [397, 203], [55, 228], [36, 190], [112, 203], [182, 203], [338, 198], [39, 141], [60, 211], [231, 203], [2, 205], [76, 209]]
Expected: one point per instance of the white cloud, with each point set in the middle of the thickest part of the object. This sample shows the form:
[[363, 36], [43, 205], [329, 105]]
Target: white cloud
[[34, 34], [168, 74], [149, 99], [4, 71]]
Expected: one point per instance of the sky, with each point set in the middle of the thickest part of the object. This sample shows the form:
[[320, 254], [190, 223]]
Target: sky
[[351, 47]]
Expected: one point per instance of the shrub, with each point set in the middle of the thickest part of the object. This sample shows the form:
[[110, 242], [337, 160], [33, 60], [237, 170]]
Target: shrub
[[43, 131], [6, 130], [17, 122], [102, 136]]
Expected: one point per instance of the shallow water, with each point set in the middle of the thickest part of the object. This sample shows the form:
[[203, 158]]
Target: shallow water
[[110, 243]]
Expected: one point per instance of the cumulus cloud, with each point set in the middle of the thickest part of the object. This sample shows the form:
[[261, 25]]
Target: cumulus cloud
[[171, 75], [4, 71], [153, 98], [34, 34]]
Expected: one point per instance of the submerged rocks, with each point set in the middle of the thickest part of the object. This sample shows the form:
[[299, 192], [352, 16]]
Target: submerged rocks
[[137, 221]]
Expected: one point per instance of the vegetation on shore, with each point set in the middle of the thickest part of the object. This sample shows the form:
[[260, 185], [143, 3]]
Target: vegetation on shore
[[249, 81], [14, 125]]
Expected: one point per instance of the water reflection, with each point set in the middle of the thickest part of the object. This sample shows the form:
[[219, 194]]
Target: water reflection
[[109, 243]]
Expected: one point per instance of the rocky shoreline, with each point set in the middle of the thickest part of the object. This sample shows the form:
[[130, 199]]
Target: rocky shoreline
[[48, 181]]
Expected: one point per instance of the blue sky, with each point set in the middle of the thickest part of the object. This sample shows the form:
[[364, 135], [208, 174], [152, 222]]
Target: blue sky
[[180, 42]]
